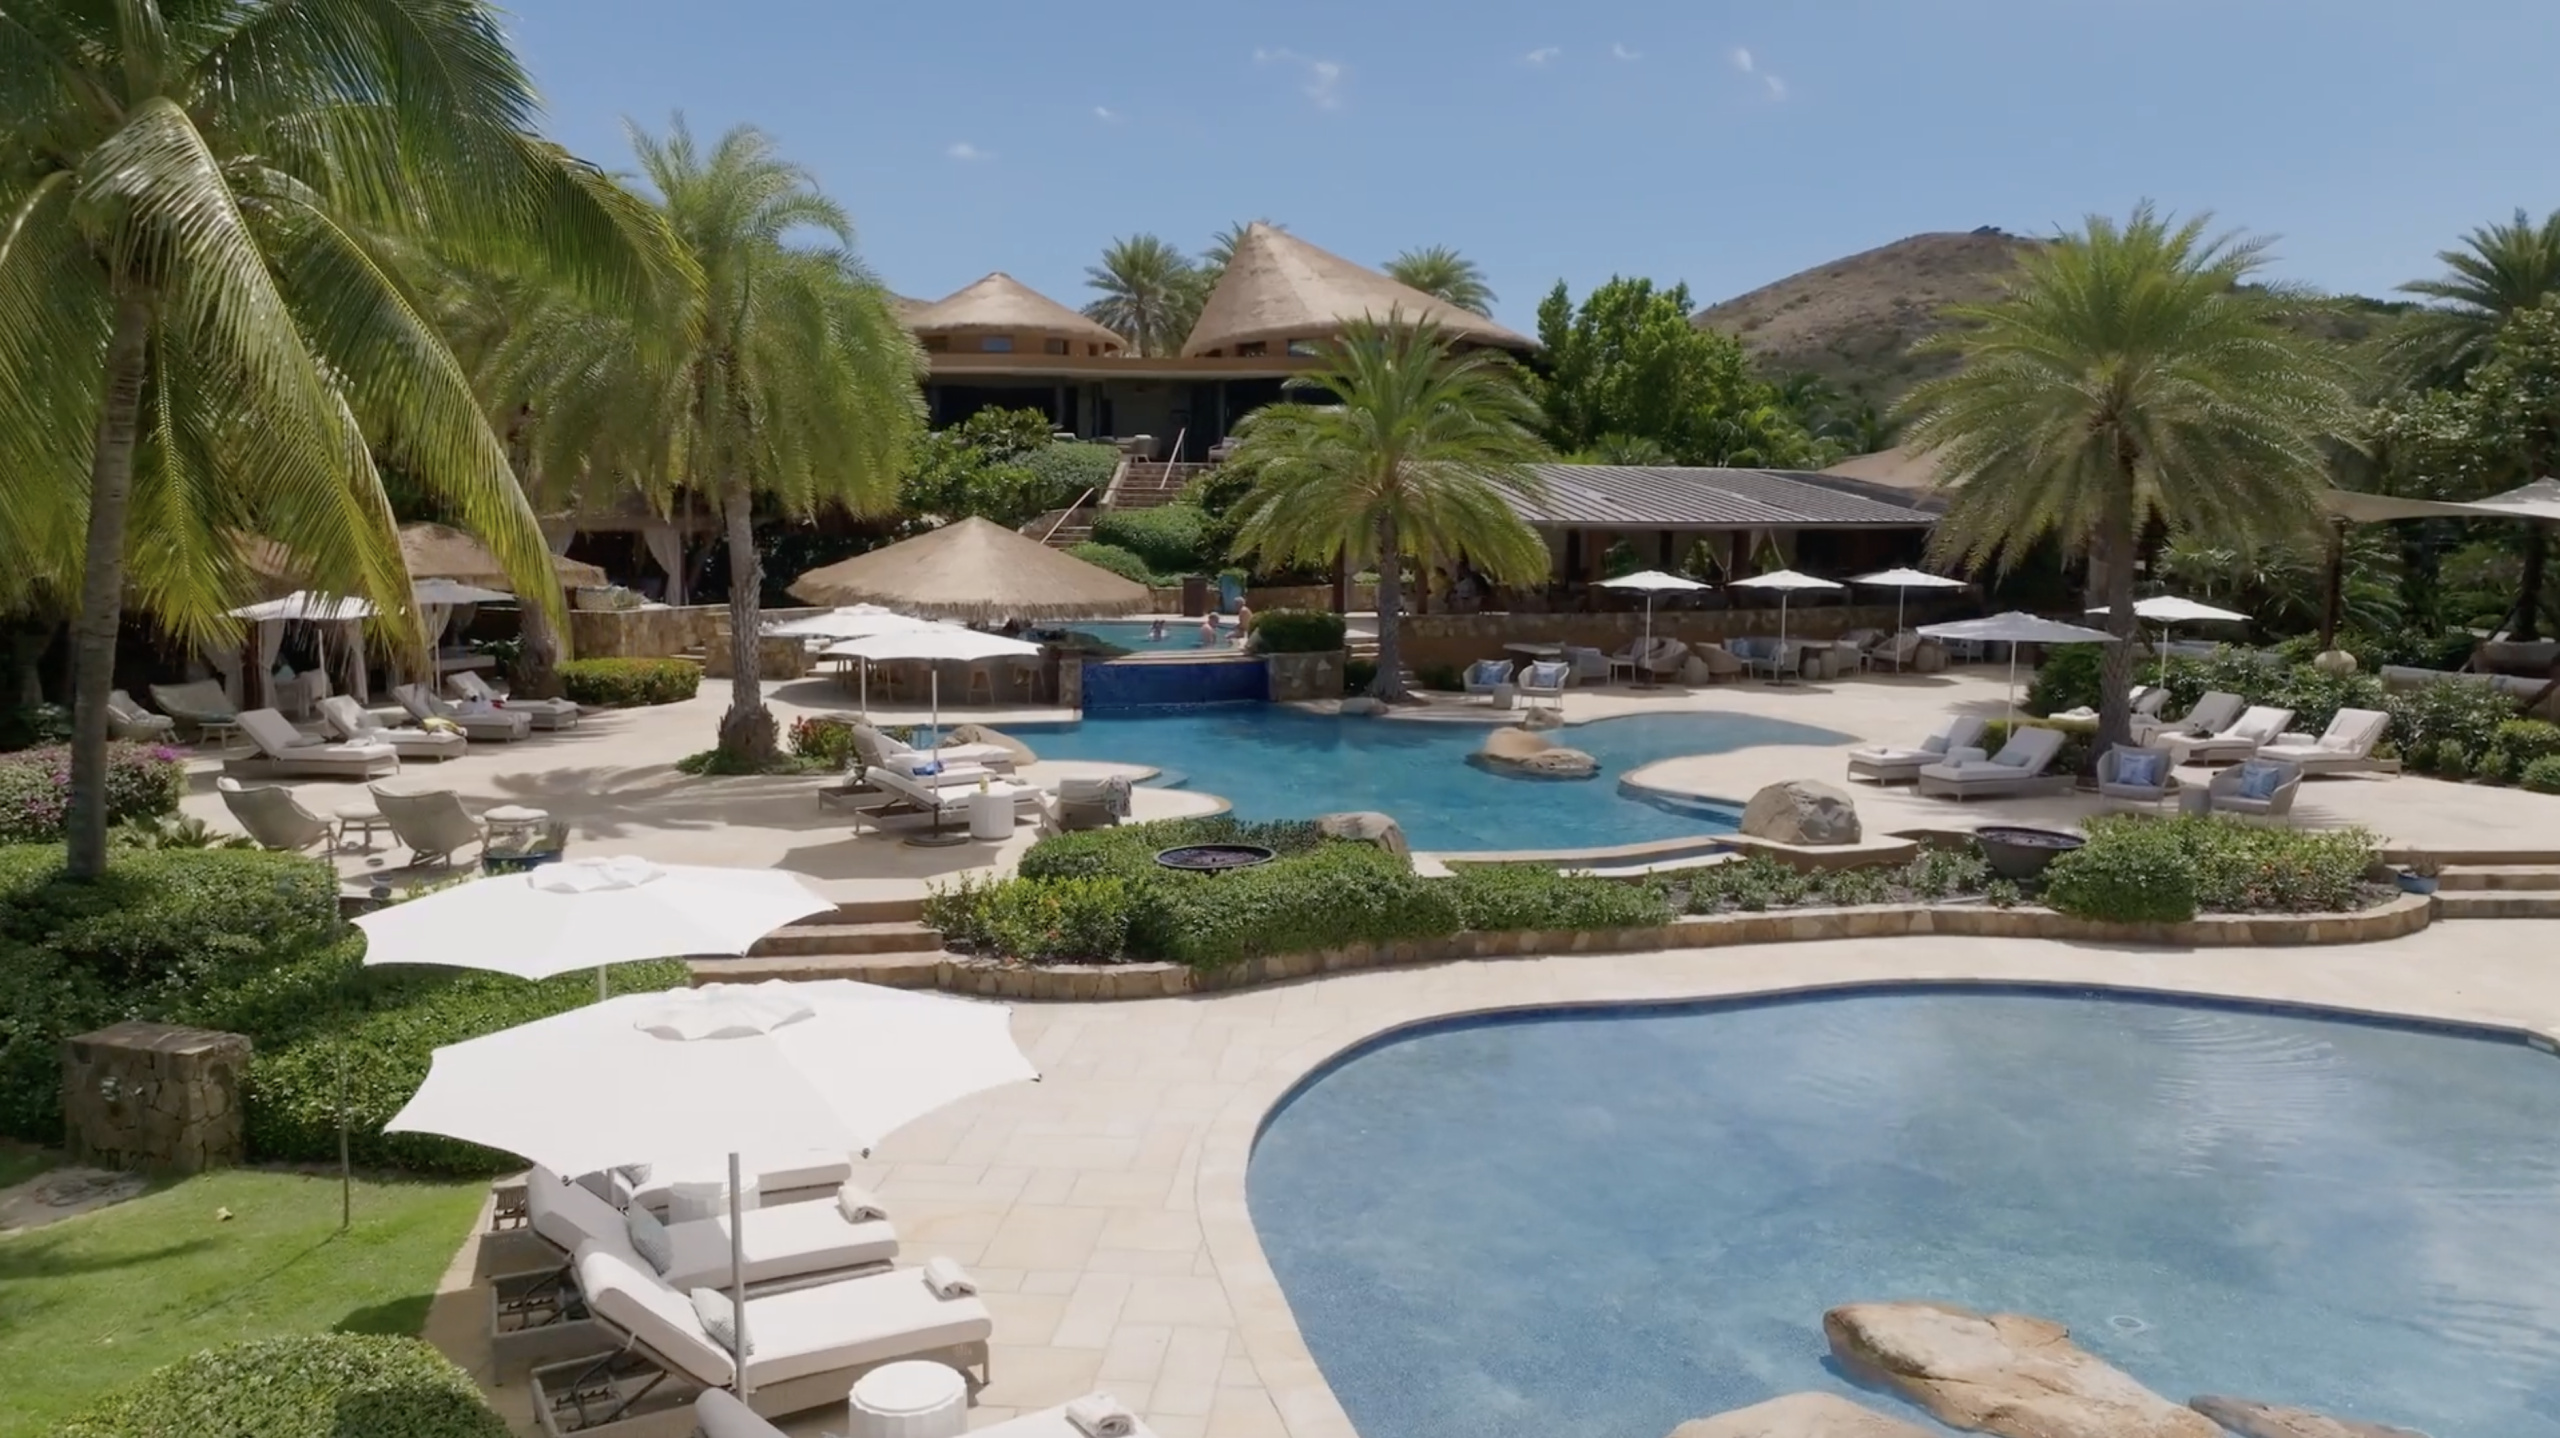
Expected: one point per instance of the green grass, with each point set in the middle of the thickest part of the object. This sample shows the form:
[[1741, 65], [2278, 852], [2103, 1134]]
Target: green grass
[[93, 1303], [19, 1162]]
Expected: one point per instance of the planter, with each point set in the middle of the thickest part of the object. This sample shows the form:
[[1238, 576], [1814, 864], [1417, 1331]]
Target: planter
[[2020, 854], [2414, 883]]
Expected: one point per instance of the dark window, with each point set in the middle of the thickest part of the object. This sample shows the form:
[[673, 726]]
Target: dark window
[[937, 344], [1053, 347], [995, 344], [1303, 348], [1248, 351]]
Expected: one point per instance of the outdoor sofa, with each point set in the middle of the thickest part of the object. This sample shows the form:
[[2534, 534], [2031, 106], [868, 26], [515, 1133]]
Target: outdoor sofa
[[2136, 775], [546, 713], [1652, 658], [1887, 765], [2019, 768], [1486, 676], [355, 724], [284, 752], [1545, 680]]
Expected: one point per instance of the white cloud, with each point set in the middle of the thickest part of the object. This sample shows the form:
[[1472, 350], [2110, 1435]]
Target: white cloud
[[1106, 114], [1542, 55], [1749, 64], [1777, 87], [1324, 77], [1742, 60], [964, 151], [1620, 49]]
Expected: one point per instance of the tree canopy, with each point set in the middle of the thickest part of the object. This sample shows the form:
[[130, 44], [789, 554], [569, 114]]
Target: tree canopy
[[1626, 368]]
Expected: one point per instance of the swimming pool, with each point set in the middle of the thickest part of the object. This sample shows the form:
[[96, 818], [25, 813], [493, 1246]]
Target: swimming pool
[[1180, 635], [1610, 1223], [1275, 762]]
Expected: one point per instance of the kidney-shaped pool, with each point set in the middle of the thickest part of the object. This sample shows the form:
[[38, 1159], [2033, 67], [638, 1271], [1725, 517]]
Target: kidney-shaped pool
[[1604, 1224]]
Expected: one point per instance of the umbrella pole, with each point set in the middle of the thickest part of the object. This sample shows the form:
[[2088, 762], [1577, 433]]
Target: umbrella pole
[[1782, 637], [601, 994], [866, 685], [738, 1285], [1901, 596], [1645, 669], [935, 680], [2013, 683]]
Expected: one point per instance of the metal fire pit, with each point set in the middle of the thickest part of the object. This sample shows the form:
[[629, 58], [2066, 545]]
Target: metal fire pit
[[2019, 854], [1213, 858]]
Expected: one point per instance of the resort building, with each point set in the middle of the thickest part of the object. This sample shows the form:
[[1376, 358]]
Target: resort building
[[1749, 520]]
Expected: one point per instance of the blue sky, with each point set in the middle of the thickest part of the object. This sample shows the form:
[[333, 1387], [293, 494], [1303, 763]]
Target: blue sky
[[1725, 144]]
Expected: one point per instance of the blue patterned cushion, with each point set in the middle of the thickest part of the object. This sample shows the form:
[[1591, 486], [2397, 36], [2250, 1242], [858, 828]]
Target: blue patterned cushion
[[2142, 771], [719, 1320], [1548, 676], [2259, 781], [649, 1239]]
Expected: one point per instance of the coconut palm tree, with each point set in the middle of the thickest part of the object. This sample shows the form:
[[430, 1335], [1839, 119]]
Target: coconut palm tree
[[199, 332], [2125, 377], [786, 377], [1446, 276], [1400, 449], [2498, 271], [1150, 291]]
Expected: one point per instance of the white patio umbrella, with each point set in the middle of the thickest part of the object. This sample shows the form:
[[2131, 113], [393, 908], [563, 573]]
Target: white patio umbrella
[[853, 621], [1786, 582], [1901, 582], [724, 1069], [1651, 582], [587, 914], [2013, 629], [2168, 609], [933, 642]]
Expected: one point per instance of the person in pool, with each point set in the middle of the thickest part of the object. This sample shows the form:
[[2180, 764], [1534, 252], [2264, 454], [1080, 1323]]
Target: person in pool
[[1244, 621], [1208, 631], [1155, 631]]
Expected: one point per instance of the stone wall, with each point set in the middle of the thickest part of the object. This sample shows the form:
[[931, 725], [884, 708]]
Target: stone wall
[[656, 633], [1457, 640], [154, 1096], [1296, 678]]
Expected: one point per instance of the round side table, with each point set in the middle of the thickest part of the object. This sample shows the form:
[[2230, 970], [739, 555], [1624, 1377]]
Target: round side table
[[909, 1400], [512, 819], [991, 815]]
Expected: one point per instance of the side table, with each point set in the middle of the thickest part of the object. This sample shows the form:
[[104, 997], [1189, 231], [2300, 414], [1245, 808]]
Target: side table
[[908, 1400], [360, 819], [513, 820], [1506, 696], [2195, 800], [991, 814]]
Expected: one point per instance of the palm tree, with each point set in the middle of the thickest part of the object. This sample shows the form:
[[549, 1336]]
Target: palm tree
[[2498, 271], [1150, 293], [1403, 449], [786, 376], [1446, 276], [2124, 377], [199, 334]]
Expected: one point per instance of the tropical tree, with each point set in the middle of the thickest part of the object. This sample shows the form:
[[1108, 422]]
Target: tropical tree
[[1151, 292], [200, 334], [1627, 363], [1401, 449], [1446, 276], [2496, 273], [2126, 377], [786, 377]]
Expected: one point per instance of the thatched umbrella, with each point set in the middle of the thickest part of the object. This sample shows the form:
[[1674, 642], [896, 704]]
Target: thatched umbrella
[[973, 570], [1279, 288], [439, 551]]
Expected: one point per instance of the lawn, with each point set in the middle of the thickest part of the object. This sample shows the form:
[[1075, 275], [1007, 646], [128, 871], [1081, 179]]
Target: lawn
[[94, 1302]]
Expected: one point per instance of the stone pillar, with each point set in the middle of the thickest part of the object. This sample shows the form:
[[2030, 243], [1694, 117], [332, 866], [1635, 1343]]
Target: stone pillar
[[154, 1096], [1296, 678], [1070, 681]]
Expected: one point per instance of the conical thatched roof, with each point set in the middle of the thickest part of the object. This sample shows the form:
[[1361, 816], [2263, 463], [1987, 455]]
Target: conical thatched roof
[[438, 551], [1001, 304], [1278, 288], [975, 569]]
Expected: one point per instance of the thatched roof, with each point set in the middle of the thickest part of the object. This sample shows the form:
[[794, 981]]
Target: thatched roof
[[1001, 304], [439, 551], [1898, 467], [1278, 288], [976, 570]]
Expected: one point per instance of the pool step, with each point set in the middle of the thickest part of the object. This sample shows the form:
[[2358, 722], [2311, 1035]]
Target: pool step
[[2501, 877]]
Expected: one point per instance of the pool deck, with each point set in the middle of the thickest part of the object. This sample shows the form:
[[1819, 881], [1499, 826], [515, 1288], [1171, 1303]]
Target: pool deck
[[1104, 1208]]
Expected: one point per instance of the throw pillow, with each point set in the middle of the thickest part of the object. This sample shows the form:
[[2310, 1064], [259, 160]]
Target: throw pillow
[[649, 1239], [2142, 771], [719, 1320], [2259, 781]]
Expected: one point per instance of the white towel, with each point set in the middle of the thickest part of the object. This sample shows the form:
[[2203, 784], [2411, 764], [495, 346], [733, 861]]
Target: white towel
[[1099, 1415], [857, 1205], [949, 1280]]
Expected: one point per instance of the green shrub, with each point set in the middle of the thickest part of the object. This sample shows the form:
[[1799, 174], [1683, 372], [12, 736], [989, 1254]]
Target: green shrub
[[1064, 470], [823, 738], [1504, 897], [1058, 920], [143, 782], [2453, 758], [1129, 850], [1447, 678], [630, 683], [1119, 561], [24, 727], [2078, 754], [2067, 679], [1339, 893], [2528, 740], [2468, 716], [1358, 675], [1171, 538], [320, 1385], [2542, 776], [2496, 766], [958, 909], [2128, 873], [2247, 869], [1937, 873], [1298, 631]]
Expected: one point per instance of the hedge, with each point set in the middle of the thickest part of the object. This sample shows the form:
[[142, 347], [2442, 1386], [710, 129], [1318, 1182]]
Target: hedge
[[143, 782], [1504, 897], [1298, 631], [1064, 470], [1119, 561], [630, 683], [2137, 869], [322, 1385], [1170, 538]]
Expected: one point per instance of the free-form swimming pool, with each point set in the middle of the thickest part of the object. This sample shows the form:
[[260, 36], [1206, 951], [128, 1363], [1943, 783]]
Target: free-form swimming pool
[[1180, 635], [1275, 762], [1607, 1224]]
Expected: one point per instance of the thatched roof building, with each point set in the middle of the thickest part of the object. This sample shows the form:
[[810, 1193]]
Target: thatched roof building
[[1017, 317], [1280, 291]]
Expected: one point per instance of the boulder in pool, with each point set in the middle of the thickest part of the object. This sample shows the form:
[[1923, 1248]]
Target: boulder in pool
[[981, 734], [1517, 751], [1362, 704], [1800, 1415], [2252, 1419], [1541, 717], [2004, 1373], [1802, 811], [1366, 828]]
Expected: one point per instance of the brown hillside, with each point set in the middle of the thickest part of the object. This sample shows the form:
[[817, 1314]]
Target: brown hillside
[[1853, 321]]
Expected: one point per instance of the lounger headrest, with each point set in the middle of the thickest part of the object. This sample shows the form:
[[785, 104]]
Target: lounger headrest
[[641, 1304], [569, 1214]]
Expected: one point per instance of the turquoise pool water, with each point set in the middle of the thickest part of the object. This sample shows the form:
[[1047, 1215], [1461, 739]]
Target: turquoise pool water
[[1180, 635], [1274, 762], [1607, 1224]]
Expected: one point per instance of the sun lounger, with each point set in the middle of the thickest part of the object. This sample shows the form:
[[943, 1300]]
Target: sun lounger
[[2345, 747], [2262, 725], [355, 724], [2214, 712], [470, 688], [879, 751], [1487, 675], [806, 1347], [779, 1178], [1902, 766], [286, 752], [128, 720], [1760, 654], [1085, 804], [2256, 789], [2017, 769], [196, 705], [1657, 657], [785, 1243], [719, 1414], [950, 798], [482, 725], [433, 826], [273, 817], [2135, 775]]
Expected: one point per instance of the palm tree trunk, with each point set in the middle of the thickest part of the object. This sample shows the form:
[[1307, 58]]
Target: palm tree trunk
[[93, 634], [746, 731], [2537, 555], [1389, 682], [537, 673], [2114, 549]]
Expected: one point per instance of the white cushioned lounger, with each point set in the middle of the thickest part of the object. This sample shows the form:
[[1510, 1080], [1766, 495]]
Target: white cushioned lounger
[[775, 1173], [786, 1243]]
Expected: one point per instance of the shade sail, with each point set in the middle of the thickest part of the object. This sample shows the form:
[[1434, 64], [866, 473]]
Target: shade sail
[[2016, 627], [586, 914], [973, 569]]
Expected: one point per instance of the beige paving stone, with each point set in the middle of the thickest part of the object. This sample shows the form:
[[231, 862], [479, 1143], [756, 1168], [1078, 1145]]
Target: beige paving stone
[[1135, 1353], [1180, 1299], [1042, 1236], [1094, 1310], [1039, 1376], [1161, 1230], [1134, 1261], [1188, 1382], [1244, 1413], [1025, 1317], [1122, 1190], [1052, 1280]]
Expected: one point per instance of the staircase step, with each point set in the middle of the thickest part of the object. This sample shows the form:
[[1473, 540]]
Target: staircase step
[[897, 971], [806, 940], [2499, 877], [2473, 858], [2489, 904], [874, 911]]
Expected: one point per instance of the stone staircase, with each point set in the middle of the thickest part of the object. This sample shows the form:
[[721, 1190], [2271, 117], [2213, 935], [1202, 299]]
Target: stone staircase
[[874, 941], [1148, 484], [2499, 886]]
